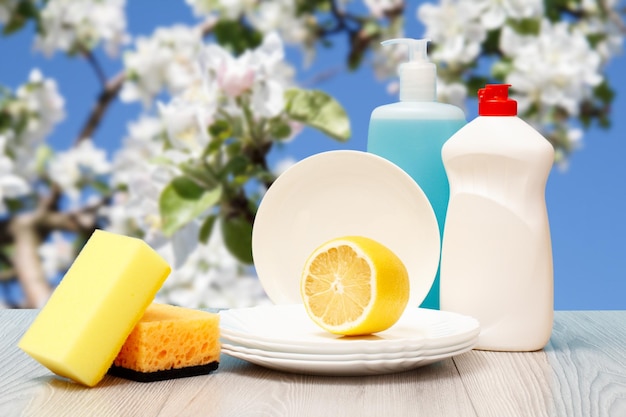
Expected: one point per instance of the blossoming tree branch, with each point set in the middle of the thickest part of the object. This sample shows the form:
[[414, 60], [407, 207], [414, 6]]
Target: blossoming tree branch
[[193, 165]]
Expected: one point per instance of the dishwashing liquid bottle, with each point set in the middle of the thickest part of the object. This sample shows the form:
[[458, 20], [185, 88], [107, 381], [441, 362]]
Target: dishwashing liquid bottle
[[496, 260], [411, 132]]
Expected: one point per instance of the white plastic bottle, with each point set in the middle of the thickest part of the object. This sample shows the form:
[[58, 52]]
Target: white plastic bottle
[[496, 261]]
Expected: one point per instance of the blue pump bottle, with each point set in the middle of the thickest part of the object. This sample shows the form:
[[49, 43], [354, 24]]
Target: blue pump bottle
[[411, 133]]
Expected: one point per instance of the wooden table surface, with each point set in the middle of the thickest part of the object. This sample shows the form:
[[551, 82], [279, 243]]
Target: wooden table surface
[[582, 372]]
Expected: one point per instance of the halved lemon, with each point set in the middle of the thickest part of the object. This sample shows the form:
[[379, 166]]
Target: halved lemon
[[354, 285]]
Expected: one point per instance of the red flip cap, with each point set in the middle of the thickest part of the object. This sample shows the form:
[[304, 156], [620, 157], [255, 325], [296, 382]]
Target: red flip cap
[[493, 100]]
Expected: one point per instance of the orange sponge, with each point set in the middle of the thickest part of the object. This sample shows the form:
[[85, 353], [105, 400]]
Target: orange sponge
[[169, 342]]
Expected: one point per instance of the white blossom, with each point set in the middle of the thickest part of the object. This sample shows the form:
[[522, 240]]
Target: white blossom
[[186, 125], [556, 68], [132, 168], [141, 205], [608, 30], [387, 59], [74, 25], [57, 253], [230, 9], [267, 16], [493, 13], [281, 16], [211, 277], [272, 76], [204, 275], [11, 185], [378, 8], [166, 60], [283, 165], [574, 138], [78, 166], [39, 104], [41, 99], [452, 93], [143, 143], [144, 169], [233, 76], [262, 72], [455, 27]]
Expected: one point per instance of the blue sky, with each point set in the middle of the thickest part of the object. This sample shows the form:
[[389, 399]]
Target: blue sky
[[586, 203]]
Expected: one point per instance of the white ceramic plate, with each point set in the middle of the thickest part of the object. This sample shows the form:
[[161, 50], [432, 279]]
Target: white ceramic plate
[[312, 357], [345, 368], [288, 328], [338, 193]]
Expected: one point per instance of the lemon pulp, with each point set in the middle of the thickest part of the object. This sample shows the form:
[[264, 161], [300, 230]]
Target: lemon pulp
[[354, 285]]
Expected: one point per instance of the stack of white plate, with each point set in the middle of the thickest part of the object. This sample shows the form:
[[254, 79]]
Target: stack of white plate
[[325, 196], [284, 338]]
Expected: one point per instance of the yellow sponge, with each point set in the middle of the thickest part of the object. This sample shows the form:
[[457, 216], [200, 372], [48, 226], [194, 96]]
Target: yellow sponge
[[103, 295], [169, 342]]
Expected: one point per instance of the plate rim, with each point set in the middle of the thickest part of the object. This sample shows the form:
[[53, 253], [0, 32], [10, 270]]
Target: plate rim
[[348, 356], [471, 328], [346, 368]]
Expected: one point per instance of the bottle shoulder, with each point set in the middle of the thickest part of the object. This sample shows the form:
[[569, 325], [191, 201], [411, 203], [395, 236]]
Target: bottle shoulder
[[492, 131], [418, 109], [503, 135]]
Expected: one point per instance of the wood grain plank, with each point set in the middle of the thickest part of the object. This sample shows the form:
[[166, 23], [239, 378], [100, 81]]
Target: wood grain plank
[[255, 391], [507, 384], [242, 389], [588, 355], [19, 374], [582, 372]]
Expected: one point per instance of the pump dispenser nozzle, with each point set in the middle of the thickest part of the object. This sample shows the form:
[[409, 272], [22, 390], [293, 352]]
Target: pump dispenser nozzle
[[418, 76]]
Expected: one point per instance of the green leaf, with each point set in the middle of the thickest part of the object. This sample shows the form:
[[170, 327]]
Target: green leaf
[[25, 10], [236, 166], [236, 36], [320, 111], [43, 155], [474, 83], [500, 69], [595, 38], [355, 57], [234, 148], [101, 187], [525, 26], [312, 6], [604, 92], [239, 180], [15, 204], [199, 173], [220, 130], [553, 9], [237, 232], [207, 228], [13, 25], [604, 121], [261, 174], [279, 129], [182, 200], [371, 28], [491, 45]]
